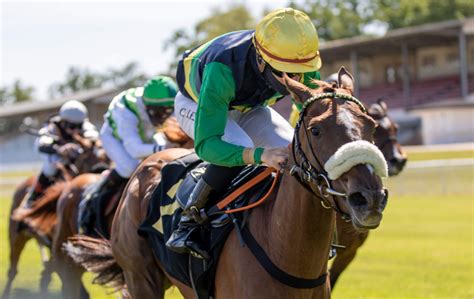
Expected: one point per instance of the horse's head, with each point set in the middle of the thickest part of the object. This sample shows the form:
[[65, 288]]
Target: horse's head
[[334, 153], [385, 138], [175, 134], [92, 157]]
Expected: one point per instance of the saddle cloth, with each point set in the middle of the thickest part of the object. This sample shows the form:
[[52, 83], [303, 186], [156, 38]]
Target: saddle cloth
[[164, 211]]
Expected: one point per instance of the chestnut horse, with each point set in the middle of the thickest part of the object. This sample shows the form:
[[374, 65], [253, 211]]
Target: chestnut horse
[[69, 272], [332, 151], [385, 138], [41, 217]]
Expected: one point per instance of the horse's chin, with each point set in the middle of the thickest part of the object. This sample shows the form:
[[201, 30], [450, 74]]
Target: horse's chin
[[364, 225], [363, 228], [394, 170]]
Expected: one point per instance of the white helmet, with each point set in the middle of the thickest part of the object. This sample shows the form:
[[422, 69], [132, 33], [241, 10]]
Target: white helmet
[[73, 111]]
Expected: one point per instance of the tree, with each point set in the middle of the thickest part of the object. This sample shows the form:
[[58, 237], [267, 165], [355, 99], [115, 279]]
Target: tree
[[3, 95], [237, 17], [18, 92], [129, 75], [78, 79], [21, 93], [404, 13], [335, 19]]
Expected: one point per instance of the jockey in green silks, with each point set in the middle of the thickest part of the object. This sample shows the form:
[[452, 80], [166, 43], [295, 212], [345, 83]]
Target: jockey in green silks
[[225, 88]]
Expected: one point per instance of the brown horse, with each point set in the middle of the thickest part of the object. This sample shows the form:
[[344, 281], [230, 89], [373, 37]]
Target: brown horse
[[69, 272], [385, 138], [294, 227], [41, 218]]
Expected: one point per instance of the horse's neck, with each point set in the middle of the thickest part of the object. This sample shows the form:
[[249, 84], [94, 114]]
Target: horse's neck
[[295, 230]]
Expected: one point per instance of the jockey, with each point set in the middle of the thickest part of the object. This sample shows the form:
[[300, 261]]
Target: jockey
[[56, 141], [129, 132], [225, 88]]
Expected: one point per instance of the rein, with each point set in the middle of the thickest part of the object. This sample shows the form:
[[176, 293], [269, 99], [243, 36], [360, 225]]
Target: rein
[[310, 177]]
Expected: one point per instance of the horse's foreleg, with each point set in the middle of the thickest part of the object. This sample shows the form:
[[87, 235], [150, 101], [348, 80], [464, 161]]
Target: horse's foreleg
[[18, 240], [345, 256], [70, 275], [46, 277]]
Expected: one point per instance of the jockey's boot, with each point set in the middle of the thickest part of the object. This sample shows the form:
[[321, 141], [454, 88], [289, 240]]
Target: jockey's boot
[[41, 184], [101, 197], [191, 218]]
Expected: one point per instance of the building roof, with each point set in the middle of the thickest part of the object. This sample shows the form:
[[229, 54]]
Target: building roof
[[433, 34], [34, 106]]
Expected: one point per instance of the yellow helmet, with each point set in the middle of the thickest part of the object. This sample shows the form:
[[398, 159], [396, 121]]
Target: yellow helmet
[[287, 40]]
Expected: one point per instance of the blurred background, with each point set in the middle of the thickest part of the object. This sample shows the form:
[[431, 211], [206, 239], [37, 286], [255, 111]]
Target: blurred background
[[418, 56]]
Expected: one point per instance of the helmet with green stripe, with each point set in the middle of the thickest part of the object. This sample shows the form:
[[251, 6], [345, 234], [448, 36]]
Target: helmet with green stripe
[[158, 97], [160, 91]]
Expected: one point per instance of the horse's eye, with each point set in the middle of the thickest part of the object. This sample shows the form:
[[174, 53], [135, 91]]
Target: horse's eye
[[315, 131]]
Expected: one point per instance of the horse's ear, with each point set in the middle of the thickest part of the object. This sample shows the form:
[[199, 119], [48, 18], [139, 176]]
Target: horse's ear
[[375, 110], [298, 91], [382, 104], [346, 81]]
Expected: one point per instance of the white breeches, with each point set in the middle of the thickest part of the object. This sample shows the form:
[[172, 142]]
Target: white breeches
[[49, 167], [259, 127]]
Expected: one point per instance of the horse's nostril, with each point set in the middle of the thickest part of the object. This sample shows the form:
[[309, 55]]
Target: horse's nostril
[[394, 161], [357, 200]]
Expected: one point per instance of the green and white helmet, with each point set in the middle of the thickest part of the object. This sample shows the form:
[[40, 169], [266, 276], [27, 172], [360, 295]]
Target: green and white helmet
[[160, 91], [73, 111]]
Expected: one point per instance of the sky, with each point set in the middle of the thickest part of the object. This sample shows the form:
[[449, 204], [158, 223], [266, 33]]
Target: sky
[[40, 40]]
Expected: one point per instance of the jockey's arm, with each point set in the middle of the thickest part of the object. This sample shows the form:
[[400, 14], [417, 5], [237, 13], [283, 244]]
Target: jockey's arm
[[89, 131], [217, 91], [46, 142], [127, 129]]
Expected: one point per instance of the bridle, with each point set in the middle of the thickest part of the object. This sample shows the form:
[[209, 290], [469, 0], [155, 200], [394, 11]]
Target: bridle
[[313, 178]]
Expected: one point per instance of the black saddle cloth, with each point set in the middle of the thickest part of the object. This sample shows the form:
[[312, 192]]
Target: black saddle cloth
[[164, 211]]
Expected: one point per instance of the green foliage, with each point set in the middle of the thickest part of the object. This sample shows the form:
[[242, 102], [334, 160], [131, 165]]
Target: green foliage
[[18, 92], [78, 79], [235, 18], [335, 19], [404, 13], [129, 75]]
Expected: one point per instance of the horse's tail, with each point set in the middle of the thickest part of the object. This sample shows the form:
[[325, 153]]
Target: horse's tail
[[41, 217], [95, 255]]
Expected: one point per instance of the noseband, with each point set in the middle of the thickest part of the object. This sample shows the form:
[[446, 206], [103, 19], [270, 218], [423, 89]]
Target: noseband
[[310, 177]]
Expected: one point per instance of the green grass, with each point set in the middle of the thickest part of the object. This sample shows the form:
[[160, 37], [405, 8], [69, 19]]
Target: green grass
[[434, 155], [15, 174], [423, 248]]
